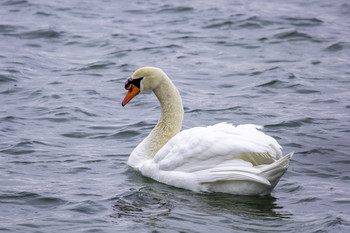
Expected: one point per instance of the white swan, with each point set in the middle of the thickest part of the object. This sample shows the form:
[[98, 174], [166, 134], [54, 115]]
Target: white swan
[[220, 158]]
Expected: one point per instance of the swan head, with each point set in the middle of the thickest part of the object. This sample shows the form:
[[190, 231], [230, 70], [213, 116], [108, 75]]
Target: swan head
[[142, 80]]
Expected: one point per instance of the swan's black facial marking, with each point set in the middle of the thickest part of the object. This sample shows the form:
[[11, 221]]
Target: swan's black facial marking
[[133, 87], [136, 82]]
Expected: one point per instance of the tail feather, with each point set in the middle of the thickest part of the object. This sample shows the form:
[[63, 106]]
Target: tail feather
[[274, 171]]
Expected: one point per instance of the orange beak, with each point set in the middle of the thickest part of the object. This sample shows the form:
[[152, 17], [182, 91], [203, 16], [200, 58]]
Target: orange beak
[[132, 92]]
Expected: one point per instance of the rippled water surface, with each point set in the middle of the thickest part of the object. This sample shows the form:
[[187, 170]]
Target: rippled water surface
[[65, 139]]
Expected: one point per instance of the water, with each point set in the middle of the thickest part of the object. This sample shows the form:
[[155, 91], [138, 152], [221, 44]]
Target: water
[[65, 139]]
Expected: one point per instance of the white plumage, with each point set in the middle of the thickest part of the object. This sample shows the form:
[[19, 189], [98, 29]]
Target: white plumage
[[220, 158]]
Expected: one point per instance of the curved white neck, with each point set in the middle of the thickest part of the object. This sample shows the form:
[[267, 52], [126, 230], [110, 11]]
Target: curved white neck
[[169, 123]]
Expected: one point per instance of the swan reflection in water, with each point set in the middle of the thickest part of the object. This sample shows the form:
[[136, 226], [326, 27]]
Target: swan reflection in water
[[157, 204]]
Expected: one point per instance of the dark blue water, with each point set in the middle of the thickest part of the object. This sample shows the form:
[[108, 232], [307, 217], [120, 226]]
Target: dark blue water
[[65, 139]]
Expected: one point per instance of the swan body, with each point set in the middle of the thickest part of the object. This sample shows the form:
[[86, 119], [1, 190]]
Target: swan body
[[220, 158]]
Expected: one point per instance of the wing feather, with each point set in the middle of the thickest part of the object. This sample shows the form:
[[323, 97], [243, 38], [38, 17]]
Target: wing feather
[[219, 152]]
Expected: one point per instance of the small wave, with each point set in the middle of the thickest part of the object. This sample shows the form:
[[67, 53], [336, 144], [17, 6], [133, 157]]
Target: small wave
[[18, 196], [258, 72], [273, 83], [96, 66], [41, 13], [254, 22], [77, 134], [120, 53], [179, 9], [84, 112], [219, 25], [88, 207], [303, 21], [343, 161], [58, 118], [290, 187], [298, 88], [12, 119], [318, 151], [46, 202], [126, 134], [61, 113], [214, 110], [7, 78], [324, 101], [306, 91], [250, 25], [41, 34], [294, 145], [169, 46], [335, 220], [338, 46], [292, 123], [14, 2], [25, 147], [294, 35], [308, 199], [260, 20], [32, 199], [9, 28], [342, 201], [19, 148], [280, 61]]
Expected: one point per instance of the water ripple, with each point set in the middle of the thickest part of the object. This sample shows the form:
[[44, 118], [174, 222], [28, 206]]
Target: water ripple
[[32, 199], [292, 123], [294, 35], [14, 2], [338, 46], [38, 34], [65, 139], [304, 22]]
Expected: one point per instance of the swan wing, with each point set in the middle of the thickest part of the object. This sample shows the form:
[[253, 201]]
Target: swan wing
[[219, 152]]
